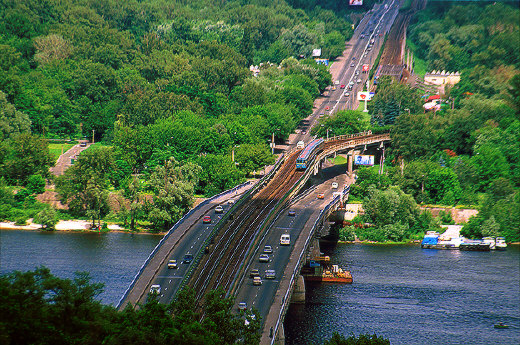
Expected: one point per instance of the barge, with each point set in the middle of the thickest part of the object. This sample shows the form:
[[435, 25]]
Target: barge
[[433, 240], [332, 274]]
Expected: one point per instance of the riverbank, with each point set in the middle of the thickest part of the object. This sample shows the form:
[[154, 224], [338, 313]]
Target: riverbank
[[71, 225]]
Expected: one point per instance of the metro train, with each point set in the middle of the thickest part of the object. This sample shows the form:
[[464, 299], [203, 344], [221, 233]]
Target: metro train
[[308, 153]]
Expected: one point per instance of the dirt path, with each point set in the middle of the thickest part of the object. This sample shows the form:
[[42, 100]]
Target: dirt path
[[65, 161]]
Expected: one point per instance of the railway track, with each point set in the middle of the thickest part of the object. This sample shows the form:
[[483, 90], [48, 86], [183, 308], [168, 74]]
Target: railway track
[[219, 267]]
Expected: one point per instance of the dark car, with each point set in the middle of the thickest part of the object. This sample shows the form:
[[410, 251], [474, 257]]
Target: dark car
[[188, 258], [291, 213]]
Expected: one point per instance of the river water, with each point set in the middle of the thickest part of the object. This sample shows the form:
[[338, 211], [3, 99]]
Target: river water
[[400, 292], [111, 258], [417, 296]]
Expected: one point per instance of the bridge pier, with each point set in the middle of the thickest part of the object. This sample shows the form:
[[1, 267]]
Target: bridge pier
[[349, 158], [298, 295]]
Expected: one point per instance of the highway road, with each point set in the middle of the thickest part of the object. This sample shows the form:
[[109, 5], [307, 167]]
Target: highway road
[[170, 278], [375, 25]]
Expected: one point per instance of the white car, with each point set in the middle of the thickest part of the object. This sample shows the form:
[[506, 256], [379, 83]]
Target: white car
[[172, 264], [334, 185], [156, 288], [264, 258], [219, 209], [347, 94], [242, 306], [270, 274]]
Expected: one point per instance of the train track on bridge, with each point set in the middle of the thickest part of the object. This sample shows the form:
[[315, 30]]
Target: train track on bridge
[[219, 267]]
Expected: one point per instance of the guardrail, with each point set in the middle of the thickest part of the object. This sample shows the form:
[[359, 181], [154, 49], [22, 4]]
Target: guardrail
[[170, 232], [246, 197], [299, 263]]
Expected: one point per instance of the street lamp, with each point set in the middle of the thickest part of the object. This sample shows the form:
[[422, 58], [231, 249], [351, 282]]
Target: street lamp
[[272, 141]]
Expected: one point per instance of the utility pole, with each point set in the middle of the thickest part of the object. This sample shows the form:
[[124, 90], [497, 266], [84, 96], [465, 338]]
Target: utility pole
[[93, 131]]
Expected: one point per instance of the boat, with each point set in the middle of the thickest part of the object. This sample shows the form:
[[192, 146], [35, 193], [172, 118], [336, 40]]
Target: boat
[[500, 243], [432, 240], [501, 325], [475, 245], [332, 274]]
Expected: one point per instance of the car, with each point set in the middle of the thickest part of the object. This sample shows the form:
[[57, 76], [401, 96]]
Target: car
[[352, 65], [333, 87], [353, 58], [357, 73], [270, 274], [300, 144], [304, 132], [291, 213], [83, 144], [327, 107], [219, 209], [334, 185], [347, 94], [350, 87], [336, 82], [188, 258], [172, 264], [206, 219], [268, 249], [285, 240], [351, 83], [342, 86], [321, 196], [156, 288], [254, 273], [264, 258], [257, 280], [242, 306], [231, 202], [322, 114]]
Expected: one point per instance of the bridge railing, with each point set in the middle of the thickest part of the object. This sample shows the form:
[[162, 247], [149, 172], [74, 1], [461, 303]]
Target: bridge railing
[[246, 197], [171, 231], [300, 262]]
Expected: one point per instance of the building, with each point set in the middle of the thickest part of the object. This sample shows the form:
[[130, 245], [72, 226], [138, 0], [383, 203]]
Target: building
[[442, 78]]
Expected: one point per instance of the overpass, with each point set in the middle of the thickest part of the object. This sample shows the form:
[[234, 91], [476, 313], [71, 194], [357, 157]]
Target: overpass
[[224, 249]]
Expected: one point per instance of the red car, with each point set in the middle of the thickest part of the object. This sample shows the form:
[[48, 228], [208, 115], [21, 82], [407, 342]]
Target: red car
[[327, 107], [342, 86], [206, 219]]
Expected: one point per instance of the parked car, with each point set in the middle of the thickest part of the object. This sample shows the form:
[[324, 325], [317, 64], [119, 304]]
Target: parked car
[[172, 264], [254, 273], [257, 280], [264, 258], [206, 219], [219, 209], [156, 288], [268, 249]]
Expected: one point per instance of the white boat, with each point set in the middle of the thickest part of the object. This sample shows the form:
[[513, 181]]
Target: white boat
[[500, 243]]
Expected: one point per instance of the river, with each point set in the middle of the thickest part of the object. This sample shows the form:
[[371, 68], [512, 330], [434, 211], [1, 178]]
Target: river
[[415, 296], [400, 292]]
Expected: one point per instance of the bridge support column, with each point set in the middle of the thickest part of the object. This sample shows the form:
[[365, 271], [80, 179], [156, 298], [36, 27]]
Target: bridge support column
[[298, 295], [350, 164], [280, 336]]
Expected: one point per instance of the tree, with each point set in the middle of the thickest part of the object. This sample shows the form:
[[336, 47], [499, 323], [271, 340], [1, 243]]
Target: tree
[[12, 121], [253, 157], [218, 174], [442, 186], [36, 184], [84, 186], [173, 186], [24, 155], [47, 218]]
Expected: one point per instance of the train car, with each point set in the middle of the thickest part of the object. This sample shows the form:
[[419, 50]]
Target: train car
[[308, 153]]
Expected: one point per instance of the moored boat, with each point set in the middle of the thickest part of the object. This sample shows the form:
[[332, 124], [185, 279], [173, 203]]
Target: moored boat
[[333, 274]]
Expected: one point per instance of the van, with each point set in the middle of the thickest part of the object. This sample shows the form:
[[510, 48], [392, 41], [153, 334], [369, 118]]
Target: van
[[285, 240], [300, 144]]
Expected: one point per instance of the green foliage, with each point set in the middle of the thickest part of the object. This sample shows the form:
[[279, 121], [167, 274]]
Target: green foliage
[[47, 218], [253, 157], [63, 311], [342, 122], [363, 339], [366, 177], [442, 186], [219, 173], [22, 156], [36, 184]]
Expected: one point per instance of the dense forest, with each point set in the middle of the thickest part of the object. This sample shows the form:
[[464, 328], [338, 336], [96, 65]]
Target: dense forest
[[163, 86], [468, 153]]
